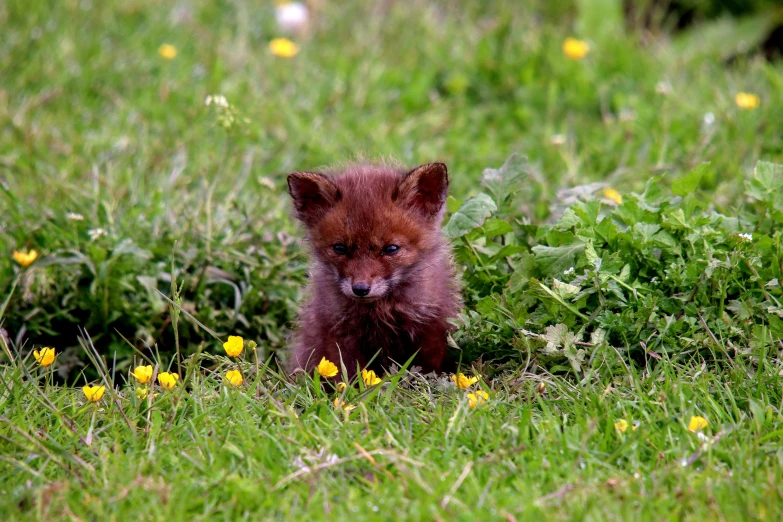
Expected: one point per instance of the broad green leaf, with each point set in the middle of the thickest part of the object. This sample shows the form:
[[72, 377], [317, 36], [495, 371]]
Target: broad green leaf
[[564, 290], [555, 260], [496, 227], [769, 175], [470, 216], [646, 231], [688, 184], [506, 180]]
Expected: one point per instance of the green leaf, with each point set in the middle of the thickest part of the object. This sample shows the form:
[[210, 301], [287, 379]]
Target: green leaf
[[496, 227], [507, 180], [555, 260], [769, 175], [470, 216], [688, 184]]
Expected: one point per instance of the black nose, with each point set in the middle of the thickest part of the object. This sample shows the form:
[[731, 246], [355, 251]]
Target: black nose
[[361, 289]]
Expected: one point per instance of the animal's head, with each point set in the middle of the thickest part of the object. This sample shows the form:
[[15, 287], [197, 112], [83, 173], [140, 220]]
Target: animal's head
[[371, 226]]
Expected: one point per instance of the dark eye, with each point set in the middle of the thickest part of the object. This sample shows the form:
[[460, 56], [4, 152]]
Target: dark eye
[[340, 249], [390, 250]]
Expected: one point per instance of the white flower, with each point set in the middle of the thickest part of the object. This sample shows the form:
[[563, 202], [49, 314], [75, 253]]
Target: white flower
[[292, 16], [654, 280], [569, 271], [73, 216], [709, 119], [558, 139], [664, 88], [218, 100], [627, 115], [95, 233], [746, 237]]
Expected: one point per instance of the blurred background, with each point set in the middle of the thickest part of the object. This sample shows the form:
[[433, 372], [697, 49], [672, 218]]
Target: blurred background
[[146, 142]]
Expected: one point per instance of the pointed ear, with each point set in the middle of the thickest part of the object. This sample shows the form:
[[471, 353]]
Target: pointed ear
[[425, 189], [313, 194]]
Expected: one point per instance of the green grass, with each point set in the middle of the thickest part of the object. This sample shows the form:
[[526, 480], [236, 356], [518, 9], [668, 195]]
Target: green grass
[[412, 449], [93, 121]]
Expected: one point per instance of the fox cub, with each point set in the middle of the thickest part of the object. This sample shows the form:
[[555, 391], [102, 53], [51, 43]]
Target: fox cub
[[382, 283]]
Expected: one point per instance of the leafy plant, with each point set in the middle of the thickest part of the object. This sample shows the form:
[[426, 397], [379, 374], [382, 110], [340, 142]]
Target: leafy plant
[[654, 277]]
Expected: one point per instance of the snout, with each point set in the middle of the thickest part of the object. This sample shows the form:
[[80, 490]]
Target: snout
[[364, 290], [361, 289]]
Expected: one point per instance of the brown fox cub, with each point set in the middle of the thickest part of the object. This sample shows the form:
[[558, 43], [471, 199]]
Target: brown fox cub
[[382, 280]]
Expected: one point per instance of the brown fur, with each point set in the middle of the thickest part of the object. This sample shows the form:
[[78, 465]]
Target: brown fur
[[412, 292]]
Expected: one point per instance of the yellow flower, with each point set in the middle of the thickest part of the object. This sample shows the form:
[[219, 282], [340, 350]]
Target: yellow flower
[[283, 47], [234, 377], [610, 193], [480, 397], [463, 381], [234, 345], [575, 49], [326, 368], [369, 378], [340, 404], [168, 380], [45, 357], [141, 392], [621, 425], [747, 101], [341, 386], [697, 424], [25, 258], [167, 51], [143, 374], [93, 393]]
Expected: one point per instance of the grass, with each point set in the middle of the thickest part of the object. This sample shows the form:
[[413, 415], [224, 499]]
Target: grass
[[94, 121], [541, 446]]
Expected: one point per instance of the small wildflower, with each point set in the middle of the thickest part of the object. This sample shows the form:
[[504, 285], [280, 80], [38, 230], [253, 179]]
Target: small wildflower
[[73, 216], [167, 51], [747, 101], [283, 47], [326, 368], [575, 49], [621, 425], [93, 393], [664, 88], [569, 271], [697, 424], [340, 404], [234, 377], [168, 380], [463, 381], [708, 120], [45, 357], [369, 378], [627, 115], [612, 194], [217, 100], [25, 258], [141, 392], [558, 139], [96, 233], [341, 386], [234, 345], [746, 237], [477, 398], [143, 374], [292, 16]]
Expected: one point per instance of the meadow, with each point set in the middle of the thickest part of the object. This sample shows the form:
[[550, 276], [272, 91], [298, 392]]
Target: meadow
[[615, 211]]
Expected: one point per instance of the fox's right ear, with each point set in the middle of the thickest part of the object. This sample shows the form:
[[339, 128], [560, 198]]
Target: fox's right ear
[[313, 194]]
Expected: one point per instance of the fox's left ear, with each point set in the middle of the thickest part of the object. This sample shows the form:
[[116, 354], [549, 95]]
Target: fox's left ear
[[425, 188]]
